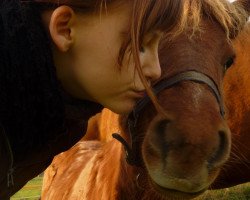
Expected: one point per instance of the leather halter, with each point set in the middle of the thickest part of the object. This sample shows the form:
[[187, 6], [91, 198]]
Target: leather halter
[[194, 76]]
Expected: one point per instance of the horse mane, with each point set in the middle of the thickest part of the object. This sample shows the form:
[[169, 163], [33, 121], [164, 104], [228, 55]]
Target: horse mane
[[90, 156], [230, 16], [243, 38], [102, 126]]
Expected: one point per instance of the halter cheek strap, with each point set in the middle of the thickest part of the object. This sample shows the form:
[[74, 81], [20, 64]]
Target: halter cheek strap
[[197, 77]]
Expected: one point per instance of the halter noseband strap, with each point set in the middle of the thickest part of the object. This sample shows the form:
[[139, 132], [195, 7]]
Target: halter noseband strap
[[194, 76]]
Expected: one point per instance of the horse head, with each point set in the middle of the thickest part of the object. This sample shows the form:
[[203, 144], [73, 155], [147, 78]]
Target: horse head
[[180, 149]]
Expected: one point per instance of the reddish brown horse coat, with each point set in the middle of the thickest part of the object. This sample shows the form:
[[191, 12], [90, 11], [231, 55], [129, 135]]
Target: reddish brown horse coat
[[237, 99], [97, 169]]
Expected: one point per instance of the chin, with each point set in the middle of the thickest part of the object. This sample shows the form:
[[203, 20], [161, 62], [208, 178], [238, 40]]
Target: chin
[[121, 109]]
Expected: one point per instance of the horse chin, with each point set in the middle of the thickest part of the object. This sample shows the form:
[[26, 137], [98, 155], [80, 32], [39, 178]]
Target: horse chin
[[174, 194]]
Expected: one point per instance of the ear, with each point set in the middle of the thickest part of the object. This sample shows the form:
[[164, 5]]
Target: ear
[[60, 27], [245, 4]]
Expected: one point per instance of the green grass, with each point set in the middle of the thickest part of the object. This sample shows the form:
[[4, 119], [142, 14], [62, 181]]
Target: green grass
[[32, 191], [240, 192]]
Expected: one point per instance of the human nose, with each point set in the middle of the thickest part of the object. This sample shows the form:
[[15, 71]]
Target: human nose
[[150, 64]]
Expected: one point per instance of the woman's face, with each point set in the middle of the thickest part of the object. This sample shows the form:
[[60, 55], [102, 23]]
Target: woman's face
[[89, 70]]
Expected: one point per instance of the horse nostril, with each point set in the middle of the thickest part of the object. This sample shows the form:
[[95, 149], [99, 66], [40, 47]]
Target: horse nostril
[[158, 139], [222, 152], [161, 127]]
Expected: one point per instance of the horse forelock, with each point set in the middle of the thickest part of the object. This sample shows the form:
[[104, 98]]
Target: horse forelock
[[230, 16]]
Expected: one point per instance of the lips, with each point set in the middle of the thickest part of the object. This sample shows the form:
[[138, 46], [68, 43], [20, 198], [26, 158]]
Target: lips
[[141, 93]]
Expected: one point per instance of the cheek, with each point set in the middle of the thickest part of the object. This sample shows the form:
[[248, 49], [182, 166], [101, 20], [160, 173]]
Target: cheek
[[128, 64], [99, 67]]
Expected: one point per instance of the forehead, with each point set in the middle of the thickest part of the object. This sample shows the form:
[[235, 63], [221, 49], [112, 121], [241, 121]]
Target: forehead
[[206, 50], [115, 16], [110, 29], [208, 32], [216, 38]]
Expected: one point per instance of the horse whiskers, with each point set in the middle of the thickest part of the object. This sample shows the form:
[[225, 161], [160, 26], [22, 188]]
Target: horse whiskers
[[237, 143], [237, 157]]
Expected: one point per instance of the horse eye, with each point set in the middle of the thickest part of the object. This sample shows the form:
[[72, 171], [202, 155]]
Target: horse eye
[[229, 62], [142, 49]]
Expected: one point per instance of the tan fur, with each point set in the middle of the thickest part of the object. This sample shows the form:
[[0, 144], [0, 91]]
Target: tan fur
[[90, 169], [101, 125]]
